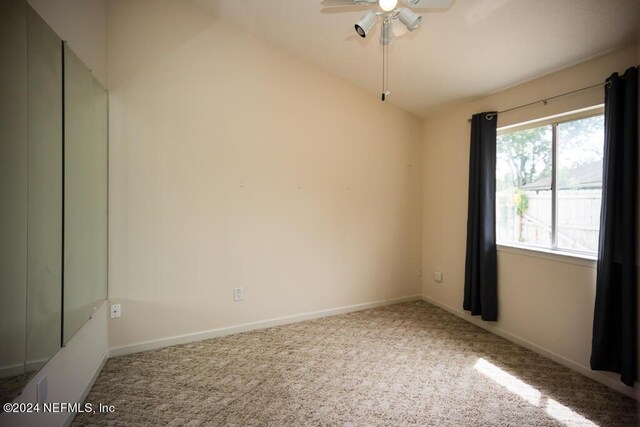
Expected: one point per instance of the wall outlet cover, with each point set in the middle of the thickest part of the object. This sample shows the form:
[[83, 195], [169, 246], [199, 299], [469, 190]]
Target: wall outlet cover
[[116, 311], [238, 294], [437, 276]]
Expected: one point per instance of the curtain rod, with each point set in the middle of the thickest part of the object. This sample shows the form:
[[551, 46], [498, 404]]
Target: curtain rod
[[546, 100]]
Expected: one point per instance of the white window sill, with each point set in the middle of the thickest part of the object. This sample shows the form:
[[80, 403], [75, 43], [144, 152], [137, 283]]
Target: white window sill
[[584, 260]]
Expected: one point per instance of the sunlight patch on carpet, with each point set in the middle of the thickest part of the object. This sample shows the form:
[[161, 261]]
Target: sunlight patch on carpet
[[516, 386]]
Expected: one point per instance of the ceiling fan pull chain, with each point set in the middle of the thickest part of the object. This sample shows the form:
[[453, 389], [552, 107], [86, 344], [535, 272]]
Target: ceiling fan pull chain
[[385, 40], [385, 72], [384, 50], [386, 65]]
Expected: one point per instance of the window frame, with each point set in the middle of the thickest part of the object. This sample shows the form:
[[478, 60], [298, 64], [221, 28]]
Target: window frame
[[552, 251]]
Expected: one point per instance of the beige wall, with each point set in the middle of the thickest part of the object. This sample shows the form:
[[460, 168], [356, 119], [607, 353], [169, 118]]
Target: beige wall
[[83, 25], [234, 164], [545, 302]]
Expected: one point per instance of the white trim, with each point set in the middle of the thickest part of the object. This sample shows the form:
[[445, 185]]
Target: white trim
[[549, 254], [36, 365], [245, 327], [21, 368], [71, 415], [12, 370], [600, 377], [569, 116]]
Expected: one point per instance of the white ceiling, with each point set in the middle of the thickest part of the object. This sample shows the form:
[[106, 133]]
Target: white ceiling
[[473, 48]]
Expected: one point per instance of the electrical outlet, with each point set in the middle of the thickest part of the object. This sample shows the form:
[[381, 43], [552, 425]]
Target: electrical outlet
[[437, 276], [419, 272], [238, 294], [116, 311]]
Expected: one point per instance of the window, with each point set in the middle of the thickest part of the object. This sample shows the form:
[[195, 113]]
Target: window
[[549, 183]]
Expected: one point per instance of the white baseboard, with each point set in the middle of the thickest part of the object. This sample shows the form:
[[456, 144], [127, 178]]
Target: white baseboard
[[245, 327], [21, 368], [11, 370], [610, 382], [36, 365], [71, 415]]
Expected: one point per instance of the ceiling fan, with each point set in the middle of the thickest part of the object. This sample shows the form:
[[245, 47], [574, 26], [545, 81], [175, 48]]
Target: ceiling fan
[[387, 11]]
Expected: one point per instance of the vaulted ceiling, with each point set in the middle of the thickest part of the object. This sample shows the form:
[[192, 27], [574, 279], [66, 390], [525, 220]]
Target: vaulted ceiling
[[473, 48]]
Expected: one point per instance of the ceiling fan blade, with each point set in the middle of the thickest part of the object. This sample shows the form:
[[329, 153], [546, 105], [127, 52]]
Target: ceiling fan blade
[[330, 3], [428, 4]]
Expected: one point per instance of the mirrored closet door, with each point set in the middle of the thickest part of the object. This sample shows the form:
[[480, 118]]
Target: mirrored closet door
[[53, 195], [30, 194], [85, 194]]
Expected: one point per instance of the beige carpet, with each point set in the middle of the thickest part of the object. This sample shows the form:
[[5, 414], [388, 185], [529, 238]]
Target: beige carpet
[[406, 364]]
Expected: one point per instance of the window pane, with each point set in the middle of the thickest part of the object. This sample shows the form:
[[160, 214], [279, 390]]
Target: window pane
[[579, 168], [523, 187]]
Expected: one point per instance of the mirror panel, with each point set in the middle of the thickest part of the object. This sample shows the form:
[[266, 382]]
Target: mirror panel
[[53, 193], [13, 196], [51, 278], [85, 194], [44, 217]]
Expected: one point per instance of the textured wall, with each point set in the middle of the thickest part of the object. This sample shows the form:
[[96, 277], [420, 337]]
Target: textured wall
[[234, 164]]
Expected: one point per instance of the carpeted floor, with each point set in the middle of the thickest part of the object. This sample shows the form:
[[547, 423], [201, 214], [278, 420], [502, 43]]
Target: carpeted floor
[[406, 364]]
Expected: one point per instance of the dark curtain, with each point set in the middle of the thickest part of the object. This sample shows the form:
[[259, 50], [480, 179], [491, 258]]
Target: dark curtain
[[480, 280], [614, 344]]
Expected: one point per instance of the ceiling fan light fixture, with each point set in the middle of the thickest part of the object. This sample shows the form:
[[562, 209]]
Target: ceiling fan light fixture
[[388, 10], [410, 19], [364, 25], [388, 5]]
